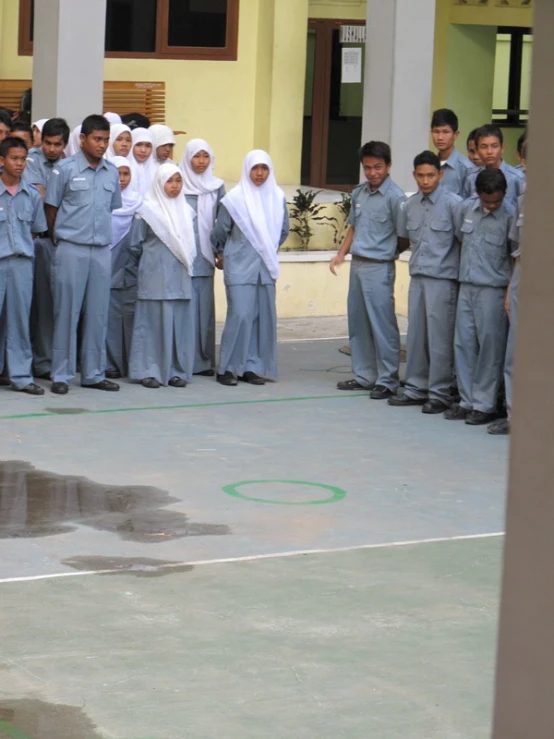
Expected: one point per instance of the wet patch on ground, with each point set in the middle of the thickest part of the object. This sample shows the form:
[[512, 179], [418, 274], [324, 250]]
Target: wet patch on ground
[[138, 566]]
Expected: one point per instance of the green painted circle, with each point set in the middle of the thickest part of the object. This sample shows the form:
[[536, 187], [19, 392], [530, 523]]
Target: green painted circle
[[336, 493]]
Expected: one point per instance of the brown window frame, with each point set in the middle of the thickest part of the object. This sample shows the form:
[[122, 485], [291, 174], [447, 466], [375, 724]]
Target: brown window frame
[[227, 53]]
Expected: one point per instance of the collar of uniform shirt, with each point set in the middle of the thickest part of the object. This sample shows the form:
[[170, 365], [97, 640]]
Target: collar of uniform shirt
[[383, 187], [83, 163], [22, 186], [432, 196], [451, 159]]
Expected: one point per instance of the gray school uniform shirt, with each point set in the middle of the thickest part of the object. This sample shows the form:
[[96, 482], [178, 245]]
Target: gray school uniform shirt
[[124, 263], [456, 170], [429, 221], [201, 267], [39, 169], [21, 216], [485, 258], [85, 197], [514, 178], [243, 264], [517, 228], [374, 217], [161, 276]]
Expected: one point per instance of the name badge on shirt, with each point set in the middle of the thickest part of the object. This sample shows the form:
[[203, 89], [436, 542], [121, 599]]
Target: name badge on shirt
[[79, 179]]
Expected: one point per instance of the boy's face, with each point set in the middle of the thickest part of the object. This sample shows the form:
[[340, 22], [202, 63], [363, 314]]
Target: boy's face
[[490, 150], [491, 202], [14, 162], [376, 171], [24, 135], [444, 138], [95, 145], [428, 178], [473, 154], [124, 177], [52, 147]]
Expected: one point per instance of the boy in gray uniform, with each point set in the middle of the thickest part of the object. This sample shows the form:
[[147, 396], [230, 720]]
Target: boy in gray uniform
[[455, 166], [80, 196], [429, 221], [40, 164], [489, 141], [484, 225], [373, 240], [21, 215]]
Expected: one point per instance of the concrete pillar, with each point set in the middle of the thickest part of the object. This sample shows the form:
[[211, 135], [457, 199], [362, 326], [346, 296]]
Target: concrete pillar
[[68, 59], [525, 670], [398, 79]]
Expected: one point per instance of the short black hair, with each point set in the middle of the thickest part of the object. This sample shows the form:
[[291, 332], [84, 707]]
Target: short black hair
[[11, 142], [94, 123], [489, 129], [135, 120], [5, 117], [376, 149], [521, 143], [22, 126], [471, 136], [427, 157], [56, 127], [445, 117], [490, 181]]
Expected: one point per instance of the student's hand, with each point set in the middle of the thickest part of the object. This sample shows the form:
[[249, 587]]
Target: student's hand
[[336, 263], [219, 261]]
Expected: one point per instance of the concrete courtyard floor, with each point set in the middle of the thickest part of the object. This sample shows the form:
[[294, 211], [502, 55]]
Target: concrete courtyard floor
[[239, 563]]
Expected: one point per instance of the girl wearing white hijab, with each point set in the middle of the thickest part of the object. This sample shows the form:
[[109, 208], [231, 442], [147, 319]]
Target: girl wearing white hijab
[[123, 293], [142, 160], [112, 118], [203, 192], [163, 141], [37, 132], [252, 223], [74, 145], [121, 141], [162, 350]]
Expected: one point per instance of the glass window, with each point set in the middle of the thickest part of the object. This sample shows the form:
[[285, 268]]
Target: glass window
[[131, 25], [197, 23]]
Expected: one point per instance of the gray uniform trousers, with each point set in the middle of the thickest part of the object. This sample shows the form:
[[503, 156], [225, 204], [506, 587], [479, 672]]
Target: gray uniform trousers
[[121, 317], [249, 340], [162, 344], [81, 277], [372, 325], [42, 312], [509, 363], [432, 317], [480, 345], [203, 307], [16, 294]]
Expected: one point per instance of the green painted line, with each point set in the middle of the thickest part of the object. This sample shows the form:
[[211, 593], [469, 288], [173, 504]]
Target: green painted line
[[344, 396], [336, 493], [12, 732]]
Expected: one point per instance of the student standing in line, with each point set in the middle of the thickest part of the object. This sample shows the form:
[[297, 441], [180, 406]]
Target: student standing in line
[[141, 157], [252, 223], [484, 224], [489, 141], [472, 153], [203, 192], [21, 216], [80, 197], [162, 349], [37, 127], [521, 143], [123, 293], [374, 243], [40, 165], [455, 166], [163, 142], [121, 142], [429, 221]]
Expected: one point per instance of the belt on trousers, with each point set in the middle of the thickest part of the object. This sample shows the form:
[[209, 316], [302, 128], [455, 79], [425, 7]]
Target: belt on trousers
[[357, 258]]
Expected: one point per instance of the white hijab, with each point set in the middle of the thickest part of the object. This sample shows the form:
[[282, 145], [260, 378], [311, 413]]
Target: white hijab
[[112, 118], [161, 135], [74, 145], [115, 132], [122, 218], [142, 172], [170, 218], [206, 187], [258, 211], [40, 123]]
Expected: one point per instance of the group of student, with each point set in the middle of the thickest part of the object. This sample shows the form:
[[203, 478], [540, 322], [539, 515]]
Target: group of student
[[108, 250], [463, 226]]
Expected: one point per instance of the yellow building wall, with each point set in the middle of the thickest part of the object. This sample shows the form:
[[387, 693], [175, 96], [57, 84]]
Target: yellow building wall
[[347, 9]]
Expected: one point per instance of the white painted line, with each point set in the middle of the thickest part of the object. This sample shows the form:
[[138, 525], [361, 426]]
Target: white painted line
[[255, 557]]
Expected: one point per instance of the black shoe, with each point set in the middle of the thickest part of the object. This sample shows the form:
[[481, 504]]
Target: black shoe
[[151, 383], [500, 427], [113, 374], [46, 376], [252, 378], [60, 388], [177, 382], [206, 373], [405, 400], [380, 392], [350, 385], [32, 389], [228, 379], [434, 406], [346, 350], [456, 413], [4, 380], [108, 385], [478, 418]]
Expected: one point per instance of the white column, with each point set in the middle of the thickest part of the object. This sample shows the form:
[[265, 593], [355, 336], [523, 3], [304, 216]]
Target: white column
[[399, 80], [68, 59], [525, 670]]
